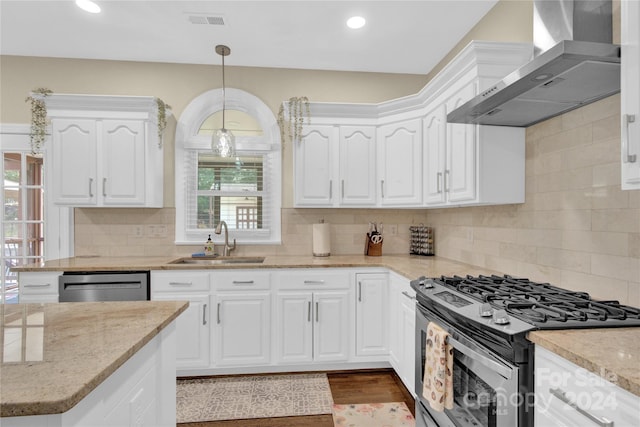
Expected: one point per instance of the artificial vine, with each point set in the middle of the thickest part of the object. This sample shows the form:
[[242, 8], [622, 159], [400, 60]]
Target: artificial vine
[[299, 112], [162, 118], [38, 130]]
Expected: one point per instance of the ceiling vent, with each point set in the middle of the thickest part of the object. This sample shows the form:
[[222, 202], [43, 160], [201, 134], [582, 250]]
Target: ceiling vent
[[207, 19]]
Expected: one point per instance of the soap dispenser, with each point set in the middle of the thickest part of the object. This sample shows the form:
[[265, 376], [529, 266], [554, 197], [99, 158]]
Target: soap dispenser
[[208, 247]]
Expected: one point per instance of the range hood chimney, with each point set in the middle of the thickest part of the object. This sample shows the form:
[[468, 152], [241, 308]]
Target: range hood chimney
[[574, 64]]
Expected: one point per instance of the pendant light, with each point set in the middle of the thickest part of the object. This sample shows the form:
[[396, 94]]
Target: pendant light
[[223, 143]]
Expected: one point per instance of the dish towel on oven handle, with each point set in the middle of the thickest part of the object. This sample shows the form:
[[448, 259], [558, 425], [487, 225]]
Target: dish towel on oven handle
[[438, 369]]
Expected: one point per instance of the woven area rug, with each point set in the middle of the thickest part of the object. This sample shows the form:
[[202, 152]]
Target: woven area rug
[[395, 414], [260, 396]]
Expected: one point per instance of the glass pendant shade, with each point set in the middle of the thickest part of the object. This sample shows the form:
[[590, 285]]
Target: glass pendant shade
[[223, 143]]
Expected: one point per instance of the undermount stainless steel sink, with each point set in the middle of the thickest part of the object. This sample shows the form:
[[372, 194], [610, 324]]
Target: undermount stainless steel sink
[[219, 261]]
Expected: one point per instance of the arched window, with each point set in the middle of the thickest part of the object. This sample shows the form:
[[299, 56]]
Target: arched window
[[244, 190]]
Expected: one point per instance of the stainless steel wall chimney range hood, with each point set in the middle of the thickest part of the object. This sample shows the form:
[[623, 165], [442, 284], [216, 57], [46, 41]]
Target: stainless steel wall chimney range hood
[[575, 64]]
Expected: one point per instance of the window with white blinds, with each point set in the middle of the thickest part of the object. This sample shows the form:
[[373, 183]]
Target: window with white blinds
[[244, 190]]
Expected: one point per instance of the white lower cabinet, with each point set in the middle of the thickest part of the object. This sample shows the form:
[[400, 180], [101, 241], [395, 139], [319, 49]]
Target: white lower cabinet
[[313, 320], [193, 325], [243, 324], [402, 323], [372, 320], [570, 396], [38, 287]]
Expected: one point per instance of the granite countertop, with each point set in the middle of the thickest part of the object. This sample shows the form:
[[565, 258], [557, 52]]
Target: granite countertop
[[70, 349], [611, 353], [410, 266]]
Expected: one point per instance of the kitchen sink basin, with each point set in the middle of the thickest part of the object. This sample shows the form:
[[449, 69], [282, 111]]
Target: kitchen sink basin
[[219, 261]]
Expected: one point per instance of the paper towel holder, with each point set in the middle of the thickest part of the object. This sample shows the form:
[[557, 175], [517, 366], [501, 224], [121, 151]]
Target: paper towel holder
[[321, 240]]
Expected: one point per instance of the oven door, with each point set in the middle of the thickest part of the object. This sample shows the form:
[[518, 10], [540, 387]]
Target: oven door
[[485, 386]]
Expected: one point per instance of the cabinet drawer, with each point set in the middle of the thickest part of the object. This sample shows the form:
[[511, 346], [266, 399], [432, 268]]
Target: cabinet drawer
[[560, 384], [306, 279], [179, 281], [38, 283], [235, 280]]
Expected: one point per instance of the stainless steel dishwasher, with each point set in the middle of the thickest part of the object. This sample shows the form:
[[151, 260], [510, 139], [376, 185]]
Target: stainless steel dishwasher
[[104, 286]]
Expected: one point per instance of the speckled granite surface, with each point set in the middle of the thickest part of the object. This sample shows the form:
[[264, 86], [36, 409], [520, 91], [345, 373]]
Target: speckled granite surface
[[68, 349], [411, 266], [609, 353]]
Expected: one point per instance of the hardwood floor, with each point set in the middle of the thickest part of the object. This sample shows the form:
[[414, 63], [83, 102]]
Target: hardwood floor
[[375, 386]]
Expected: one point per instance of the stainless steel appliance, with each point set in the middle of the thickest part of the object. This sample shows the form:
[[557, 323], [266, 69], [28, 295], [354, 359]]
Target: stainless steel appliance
[[104, 286], [575, 64], [487, 318]]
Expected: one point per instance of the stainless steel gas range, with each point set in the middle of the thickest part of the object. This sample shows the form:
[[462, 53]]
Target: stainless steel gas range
[[487, 319]]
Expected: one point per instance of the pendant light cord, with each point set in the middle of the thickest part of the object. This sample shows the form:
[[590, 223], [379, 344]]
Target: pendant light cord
[[224, 95]]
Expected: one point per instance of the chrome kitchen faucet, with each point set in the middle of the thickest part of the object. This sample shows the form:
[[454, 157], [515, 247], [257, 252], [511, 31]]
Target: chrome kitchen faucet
[[226, 251]]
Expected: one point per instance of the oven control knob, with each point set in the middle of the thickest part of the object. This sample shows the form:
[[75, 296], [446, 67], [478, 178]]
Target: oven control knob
[[486, 310], [425, 283], [500, 317]]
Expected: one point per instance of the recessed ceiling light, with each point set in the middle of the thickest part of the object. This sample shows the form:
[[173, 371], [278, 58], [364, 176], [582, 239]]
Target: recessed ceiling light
[[88, 6], [356, 22]]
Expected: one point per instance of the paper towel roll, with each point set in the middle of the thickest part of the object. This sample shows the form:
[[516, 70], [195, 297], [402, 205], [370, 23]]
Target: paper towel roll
[[321, 239]]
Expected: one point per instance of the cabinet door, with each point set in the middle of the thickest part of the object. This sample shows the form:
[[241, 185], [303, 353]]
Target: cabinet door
[[630, 94], [73, 168], [434, 156], [331, 326], [295, 327], [460, 170], [243, 325], [372, 314], [400, 163], [123, 162], [408, 331], [314, 166], [193, 330], [357, 166]]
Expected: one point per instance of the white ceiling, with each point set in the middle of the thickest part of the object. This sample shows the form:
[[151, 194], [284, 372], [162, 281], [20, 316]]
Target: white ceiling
[[400, 36]]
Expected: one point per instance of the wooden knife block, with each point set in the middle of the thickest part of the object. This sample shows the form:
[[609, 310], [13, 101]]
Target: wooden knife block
[[372, 249]]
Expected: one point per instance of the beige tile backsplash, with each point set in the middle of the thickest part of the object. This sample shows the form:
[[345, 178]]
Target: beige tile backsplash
[[577, 229]]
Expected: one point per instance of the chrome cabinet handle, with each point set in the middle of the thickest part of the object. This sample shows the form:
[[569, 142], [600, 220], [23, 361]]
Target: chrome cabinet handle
[[627, 157], [360, 291], [446, 181], [218, 313], [242, 282], [90, 187], [204, 314], [439, 184], [36, 285], [104, 187], [342, 189], [312, 282], [180, 283], [601, 421], [331, 189], [309, 312], [382, 188], [317, 311], [406, 294]]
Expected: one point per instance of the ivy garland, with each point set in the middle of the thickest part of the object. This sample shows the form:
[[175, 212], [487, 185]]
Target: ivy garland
[[38, 131], [162, 118], [299, 112]]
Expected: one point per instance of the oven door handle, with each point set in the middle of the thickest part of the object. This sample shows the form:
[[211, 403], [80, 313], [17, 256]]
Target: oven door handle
[[472, 357]]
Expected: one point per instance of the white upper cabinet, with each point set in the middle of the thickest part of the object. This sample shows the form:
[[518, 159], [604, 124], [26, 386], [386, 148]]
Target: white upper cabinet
[[357, 165], [630, 94], [421, 160], [400, 163], [314, 176], [105, 151]]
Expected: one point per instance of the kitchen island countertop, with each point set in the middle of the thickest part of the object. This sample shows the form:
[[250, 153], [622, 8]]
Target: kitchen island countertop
[[70, 348]]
